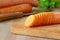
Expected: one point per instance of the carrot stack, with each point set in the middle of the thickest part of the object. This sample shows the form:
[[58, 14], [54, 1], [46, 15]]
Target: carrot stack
[[44, 18]]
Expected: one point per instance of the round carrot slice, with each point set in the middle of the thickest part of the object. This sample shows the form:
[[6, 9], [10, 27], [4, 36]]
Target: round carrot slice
[[30, 21]]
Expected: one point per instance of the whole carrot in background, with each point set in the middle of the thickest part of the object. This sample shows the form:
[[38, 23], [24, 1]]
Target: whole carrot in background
[[44, 18], [25, 8], [5, 3]]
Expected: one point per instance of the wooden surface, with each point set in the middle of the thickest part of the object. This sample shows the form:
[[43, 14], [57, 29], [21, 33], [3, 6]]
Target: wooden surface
[[5, 33], [50, 31]]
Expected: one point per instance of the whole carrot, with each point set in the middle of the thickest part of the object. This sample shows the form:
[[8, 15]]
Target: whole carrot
[[25, 8], [44, 18], [5, 3]]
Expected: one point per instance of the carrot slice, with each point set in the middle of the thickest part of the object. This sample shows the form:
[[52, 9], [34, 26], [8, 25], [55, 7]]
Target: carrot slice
[[30, 21]]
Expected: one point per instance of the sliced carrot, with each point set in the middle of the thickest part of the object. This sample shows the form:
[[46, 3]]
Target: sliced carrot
[[18, 8], [44, 18]]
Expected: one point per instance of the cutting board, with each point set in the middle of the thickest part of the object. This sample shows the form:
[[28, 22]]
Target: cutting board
[[49, 31]]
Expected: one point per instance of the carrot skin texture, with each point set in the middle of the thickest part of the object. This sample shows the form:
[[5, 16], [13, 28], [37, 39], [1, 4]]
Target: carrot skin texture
[[25, 8], [44, 18], [5, 3]]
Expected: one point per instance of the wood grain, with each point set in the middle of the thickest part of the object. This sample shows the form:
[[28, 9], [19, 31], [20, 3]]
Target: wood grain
[[50, 31]]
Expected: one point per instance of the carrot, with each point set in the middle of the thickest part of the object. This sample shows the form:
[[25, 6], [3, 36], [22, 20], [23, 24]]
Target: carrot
[[44, 18], [5, 3], [18, 8]]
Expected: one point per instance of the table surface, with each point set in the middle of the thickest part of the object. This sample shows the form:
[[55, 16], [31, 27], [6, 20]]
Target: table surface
[[6, 35]]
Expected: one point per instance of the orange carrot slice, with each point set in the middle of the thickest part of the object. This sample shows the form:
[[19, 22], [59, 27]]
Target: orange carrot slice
[[30, 21]]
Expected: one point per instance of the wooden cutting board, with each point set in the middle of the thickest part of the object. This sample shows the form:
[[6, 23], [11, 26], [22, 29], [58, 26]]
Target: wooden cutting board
[[50, 31]]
